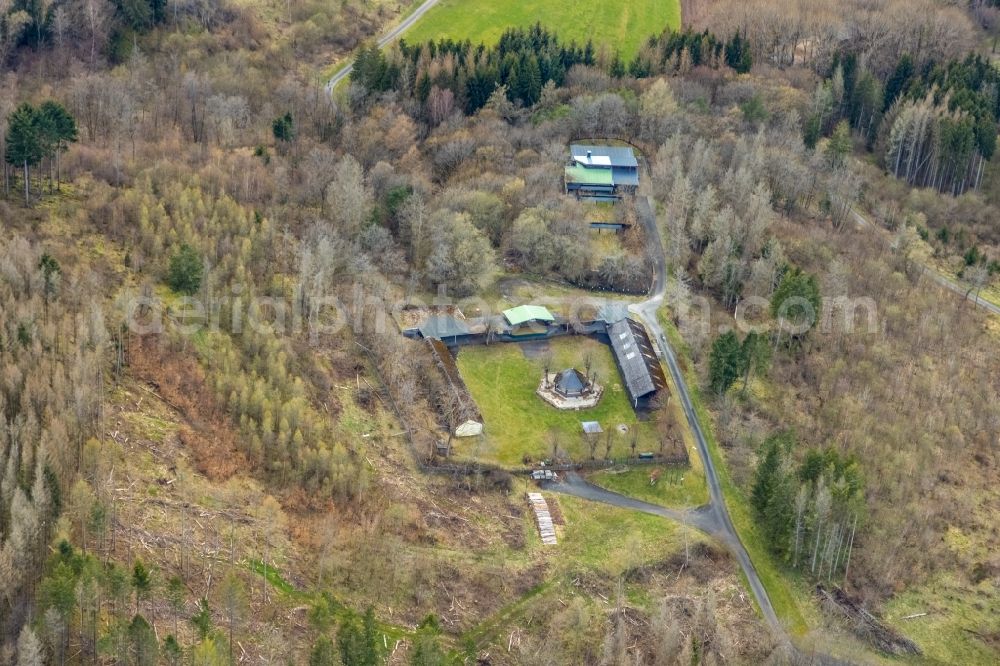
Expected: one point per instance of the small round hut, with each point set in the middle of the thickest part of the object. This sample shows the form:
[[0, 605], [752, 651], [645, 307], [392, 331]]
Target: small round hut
[[570, 389], [571, 383]]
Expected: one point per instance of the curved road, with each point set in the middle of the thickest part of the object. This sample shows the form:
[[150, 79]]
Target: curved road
[[572, 483], [387, 38], [712, 518], [719, 514], [942, 280]]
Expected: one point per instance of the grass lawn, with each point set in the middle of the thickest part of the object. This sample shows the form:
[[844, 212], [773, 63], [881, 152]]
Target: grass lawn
[[622, 25], [503, 380], [610, 540], [676, 487]]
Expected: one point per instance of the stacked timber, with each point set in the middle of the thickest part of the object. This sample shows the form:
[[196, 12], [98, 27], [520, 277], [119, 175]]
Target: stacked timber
[[546, 528]]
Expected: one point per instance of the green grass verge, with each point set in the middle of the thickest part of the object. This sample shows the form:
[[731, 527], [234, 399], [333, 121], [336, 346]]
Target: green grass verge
[[955, 609], [503, 380], [677, 487], [331, 70], [990, 293], [784, 597], [277, 581], [618, 24]]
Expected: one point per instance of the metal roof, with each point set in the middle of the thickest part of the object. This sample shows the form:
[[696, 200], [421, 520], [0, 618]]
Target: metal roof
[[443, 326], [591, 427], [637, 361], [625, 176], [613, 311], [593, 160], [616, 156], [570, 380], [525, 313]]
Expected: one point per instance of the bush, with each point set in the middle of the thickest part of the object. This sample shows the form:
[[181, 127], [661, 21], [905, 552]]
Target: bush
[[185, 272]]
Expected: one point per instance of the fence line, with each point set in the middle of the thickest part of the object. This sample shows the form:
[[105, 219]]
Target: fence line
[[461, 467]]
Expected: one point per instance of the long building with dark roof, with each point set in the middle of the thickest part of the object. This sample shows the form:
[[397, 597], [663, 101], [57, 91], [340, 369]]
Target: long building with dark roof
[[637, 361]]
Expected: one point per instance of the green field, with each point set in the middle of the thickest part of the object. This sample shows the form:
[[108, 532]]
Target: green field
[[677, 487], [502, 380], [618, 25]]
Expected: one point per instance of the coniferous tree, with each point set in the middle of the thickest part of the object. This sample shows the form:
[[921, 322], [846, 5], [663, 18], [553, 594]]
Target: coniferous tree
[[738, 54], [172, 650], [202, 620], [767, 476], [186, 270], [50, 273], [779, 515], [357, 640], [175, 597], [797, 303], [617, 68], [283, 128], [755, 354], [839, 145], [58, 129], [25, 143], [323, 653], [142, 583], [426, 645], [898, 82], [724, 362], [142, 642], [812, 130]]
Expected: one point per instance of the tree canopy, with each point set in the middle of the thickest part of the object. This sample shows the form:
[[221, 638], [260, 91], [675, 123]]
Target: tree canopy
[[185, 272], [797, 303]]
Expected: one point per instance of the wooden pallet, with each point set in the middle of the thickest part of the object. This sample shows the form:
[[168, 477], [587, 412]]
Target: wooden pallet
[[546, 528]]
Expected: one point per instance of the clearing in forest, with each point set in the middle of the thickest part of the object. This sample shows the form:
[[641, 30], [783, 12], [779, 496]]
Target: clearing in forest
[[618, 25], [503, 377]]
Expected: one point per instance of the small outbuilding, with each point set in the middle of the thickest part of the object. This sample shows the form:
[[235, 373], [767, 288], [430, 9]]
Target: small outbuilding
[[528, 314], [570, 389], [443, 327], [571, 383]]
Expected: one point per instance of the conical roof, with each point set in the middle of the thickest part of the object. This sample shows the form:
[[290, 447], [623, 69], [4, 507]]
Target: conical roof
[[570, 380]]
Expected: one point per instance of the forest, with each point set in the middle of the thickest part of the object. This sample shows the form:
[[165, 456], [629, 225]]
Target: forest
[[202, 461], [523, 62]]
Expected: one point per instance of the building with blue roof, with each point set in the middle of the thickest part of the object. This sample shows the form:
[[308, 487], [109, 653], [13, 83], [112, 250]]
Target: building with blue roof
[[601, 173]]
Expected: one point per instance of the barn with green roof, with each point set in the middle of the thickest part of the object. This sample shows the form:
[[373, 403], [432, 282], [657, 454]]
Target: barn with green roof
[[528, 321]]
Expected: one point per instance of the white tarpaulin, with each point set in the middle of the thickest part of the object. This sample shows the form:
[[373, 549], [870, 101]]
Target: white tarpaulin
[[469, 429]]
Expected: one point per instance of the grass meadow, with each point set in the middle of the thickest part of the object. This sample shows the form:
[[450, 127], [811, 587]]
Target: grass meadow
[[503, 378], [617, 25]]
